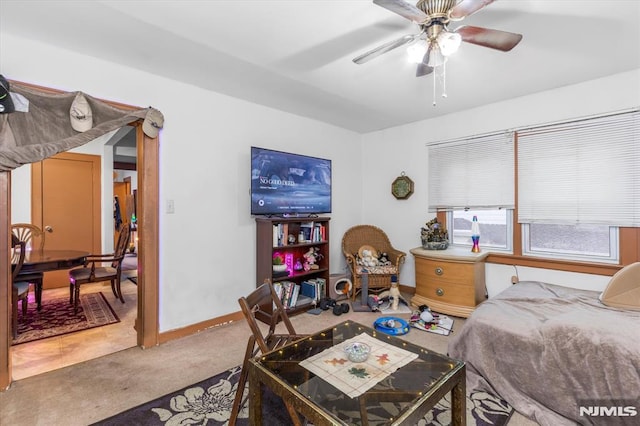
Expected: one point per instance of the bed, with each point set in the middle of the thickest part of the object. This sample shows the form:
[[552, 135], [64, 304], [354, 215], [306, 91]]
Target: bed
[[548, 350]]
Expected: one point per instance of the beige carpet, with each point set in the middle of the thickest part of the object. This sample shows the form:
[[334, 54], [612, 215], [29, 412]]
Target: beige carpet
[[96, 389]]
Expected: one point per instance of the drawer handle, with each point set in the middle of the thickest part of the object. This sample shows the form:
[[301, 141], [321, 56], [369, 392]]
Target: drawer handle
[[439, 271], [440, 292]]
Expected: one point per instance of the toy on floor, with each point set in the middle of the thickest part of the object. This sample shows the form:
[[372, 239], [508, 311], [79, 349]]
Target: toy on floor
[[384, 300], [426, 320], [391, 325]]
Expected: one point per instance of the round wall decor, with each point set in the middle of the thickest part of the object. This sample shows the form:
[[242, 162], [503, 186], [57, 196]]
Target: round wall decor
[[402, 187]]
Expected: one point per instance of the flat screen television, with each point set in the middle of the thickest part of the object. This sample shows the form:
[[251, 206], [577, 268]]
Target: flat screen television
[[287, 184]]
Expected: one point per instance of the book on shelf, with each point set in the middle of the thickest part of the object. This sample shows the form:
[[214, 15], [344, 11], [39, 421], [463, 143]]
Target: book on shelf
[[280, 234], [286, 296], [303, 300], [306, 229], [295, 291], [308, 289], [276, 236], [288, 292], [279, 289], [313, 288]]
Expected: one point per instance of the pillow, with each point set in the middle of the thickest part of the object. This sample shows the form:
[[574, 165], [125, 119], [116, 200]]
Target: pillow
[[623, 290]]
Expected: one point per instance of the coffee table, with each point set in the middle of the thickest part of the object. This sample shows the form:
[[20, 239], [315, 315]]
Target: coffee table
[[407, 394]]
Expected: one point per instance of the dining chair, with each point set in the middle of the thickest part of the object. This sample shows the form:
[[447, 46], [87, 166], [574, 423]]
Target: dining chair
[[34, 238], [94, 271], [263, 305], [19, 289]]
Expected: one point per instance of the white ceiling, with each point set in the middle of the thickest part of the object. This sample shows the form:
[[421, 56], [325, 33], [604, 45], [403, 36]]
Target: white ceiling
[[295, 55]]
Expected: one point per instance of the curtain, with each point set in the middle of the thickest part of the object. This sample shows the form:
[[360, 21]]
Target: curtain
[[475, 173], [584, 171], [45, 130]]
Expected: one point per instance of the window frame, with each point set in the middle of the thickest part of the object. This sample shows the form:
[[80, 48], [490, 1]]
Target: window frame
[[614, 248], [628, 242], [493, 249]]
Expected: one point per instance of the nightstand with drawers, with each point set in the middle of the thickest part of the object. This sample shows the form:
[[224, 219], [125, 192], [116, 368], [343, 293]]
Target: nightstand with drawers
[[449, 281]]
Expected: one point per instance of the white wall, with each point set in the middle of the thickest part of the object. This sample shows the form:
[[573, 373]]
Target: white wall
[[207, 248], [122, 174], [207, 252], [389, 152]]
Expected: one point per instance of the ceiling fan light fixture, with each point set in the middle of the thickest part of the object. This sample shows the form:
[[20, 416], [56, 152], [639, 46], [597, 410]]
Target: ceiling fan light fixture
[[448, 42], [416, 52]]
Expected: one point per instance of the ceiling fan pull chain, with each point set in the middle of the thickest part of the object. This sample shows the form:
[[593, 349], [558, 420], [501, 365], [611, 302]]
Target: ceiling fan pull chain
[[434, 86], [444, 80]]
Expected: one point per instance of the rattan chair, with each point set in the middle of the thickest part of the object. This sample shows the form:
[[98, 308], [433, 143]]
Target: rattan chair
[[370, 237]]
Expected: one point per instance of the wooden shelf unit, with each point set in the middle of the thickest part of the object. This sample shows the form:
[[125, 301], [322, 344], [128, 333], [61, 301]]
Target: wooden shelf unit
[[267, 245]]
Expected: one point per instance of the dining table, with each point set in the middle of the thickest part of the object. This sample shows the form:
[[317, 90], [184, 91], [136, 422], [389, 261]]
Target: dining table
[[45, 260]]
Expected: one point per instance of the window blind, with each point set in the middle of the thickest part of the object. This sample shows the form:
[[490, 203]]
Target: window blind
[[585, 171], [475, 173]]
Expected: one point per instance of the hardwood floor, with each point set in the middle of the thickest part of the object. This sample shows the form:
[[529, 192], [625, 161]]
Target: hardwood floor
[[30, 359]]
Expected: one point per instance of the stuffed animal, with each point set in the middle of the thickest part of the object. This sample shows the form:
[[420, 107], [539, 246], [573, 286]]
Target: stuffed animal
[[383, 259], [311, 257], [368, 259]]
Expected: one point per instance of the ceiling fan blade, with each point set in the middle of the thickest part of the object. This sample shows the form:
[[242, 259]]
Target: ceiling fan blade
[[403, 9], [493, 39], [467, 7], [423, 69], [373, 53]]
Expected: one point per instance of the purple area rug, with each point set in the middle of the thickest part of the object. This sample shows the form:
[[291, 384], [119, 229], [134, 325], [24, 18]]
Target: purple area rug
[[57, 317], [209, 402]]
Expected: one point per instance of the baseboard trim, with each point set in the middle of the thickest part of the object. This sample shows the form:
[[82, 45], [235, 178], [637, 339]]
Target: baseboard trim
[[177, 333], [406, 289]]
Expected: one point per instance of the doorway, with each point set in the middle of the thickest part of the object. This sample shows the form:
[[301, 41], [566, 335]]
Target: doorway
[[65, 199], [146, 323]]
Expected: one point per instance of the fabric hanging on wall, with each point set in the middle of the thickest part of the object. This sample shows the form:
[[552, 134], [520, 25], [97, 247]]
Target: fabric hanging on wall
[[45, 130]]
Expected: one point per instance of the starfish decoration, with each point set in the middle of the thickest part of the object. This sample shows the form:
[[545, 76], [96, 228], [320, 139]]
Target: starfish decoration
[[335, 361], [383, 359]]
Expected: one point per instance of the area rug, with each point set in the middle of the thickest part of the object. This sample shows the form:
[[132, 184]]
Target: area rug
[[133, 280], [57, 317], [209, 402]]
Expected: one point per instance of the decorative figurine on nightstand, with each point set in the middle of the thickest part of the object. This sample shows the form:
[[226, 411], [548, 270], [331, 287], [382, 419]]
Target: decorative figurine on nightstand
[[475, 235]]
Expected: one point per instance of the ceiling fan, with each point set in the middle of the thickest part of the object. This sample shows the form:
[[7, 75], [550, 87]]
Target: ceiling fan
[[435, 42]]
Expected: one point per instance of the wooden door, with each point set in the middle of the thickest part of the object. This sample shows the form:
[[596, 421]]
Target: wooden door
[[65, 202]]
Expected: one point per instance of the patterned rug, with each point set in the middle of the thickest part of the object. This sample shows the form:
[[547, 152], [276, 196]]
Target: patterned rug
[[57, 317], [209, 402]]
